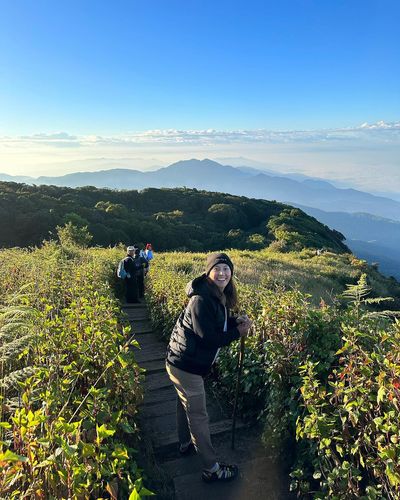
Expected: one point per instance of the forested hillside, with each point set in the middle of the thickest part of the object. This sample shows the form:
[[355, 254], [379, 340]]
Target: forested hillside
[[169, 218]]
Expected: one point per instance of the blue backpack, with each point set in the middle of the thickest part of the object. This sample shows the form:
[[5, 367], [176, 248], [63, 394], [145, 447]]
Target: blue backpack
[[121, 273]]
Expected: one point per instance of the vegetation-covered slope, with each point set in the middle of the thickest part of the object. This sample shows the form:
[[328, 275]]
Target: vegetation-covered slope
[[323, 376], [68, 401], [70, 390], [169, 218]]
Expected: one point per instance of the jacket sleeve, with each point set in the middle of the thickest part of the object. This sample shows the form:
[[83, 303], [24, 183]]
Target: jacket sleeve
[[232, 322], [204, 324]]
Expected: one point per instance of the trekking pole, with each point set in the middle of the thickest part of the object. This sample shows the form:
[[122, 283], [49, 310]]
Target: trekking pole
[[239, 376]]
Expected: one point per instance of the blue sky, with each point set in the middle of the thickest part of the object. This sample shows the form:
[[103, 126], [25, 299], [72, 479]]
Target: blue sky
[[149, 83], [110, 67]]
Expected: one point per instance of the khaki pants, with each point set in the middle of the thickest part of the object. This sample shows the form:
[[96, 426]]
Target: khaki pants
[[191, 413]]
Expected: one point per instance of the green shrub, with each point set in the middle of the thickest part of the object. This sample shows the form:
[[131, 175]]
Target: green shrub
[[70, 386], [321, 374]]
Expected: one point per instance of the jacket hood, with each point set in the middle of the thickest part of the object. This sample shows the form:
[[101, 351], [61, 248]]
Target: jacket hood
[[198, 286], [201, 286]]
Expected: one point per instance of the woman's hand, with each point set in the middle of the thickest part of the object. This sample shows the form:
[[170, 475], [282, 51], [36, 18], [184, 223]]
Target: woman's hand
[[243, 325], [241, 318]]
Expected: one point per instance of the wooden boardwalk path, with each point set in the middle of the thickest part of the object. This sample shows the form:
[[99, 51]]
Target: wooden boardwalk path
[[258, 478]]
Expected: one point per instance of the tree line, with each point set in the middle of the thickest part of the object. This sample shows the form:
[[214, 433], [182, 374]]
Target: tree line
[[173, 219]]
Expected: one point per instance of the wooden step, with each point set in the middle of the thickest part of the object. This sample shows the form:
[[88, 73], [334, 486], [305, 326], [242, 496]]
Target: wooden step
[[247, 447], [155, 350], [138, 329], [150, 353], [164, 423], [148, 341], [138, 316], [157, 381], [141, 319], [155, 366], [139, 305], [258, 479], [160, 396], [146, 356], [156, 411], [165, 442]]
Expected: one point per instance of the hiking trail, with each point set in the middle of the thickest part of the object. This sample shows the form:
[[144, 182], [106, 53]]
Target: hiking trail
[[259, 478]]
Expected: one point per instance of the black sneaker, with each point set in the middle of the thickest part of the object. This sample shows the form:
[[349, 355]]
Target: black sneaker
[[224, 473]]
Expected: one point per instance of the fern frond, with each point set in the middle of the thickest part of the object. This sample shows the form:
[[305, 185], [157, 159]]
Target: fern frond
[[383, 314], [14, 310], [358, 291], [13, 378], [19, 296], [378, 300], [11, 330], [14, 348]]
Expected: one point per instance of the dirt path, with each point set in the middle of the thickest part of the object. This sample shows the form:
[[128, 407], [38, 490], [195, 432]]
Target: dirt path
[[259, 478]]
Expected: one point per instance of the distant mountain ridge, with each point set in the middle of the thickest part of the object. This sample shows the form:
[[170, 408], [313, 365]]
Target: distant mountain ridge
[[212, 176]]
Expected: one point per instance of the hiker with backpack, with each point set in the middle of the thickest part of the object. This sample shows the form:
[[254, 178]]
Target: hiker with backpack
[[141, 266], [200, 331], [131, 270], [148, 252], [127, 271]]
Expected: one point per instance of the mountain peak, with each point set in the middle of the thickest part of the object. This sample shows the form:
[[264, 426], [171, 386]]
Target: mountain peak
[[199, 166]]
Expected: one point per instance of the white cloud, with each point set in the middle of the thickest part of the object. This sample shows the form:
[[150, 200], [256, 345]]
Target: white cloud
[[366, 155], [378, 132], [57, 139]]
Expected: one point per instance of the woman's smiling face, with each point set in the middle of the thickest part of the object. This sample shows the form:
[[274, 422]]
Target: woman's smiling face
[[220, 275]]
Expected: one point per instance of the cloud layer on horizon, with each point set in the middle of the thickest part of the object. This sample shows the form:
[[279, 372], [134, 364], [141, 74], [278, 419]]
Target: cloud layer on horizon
[[378, 133]]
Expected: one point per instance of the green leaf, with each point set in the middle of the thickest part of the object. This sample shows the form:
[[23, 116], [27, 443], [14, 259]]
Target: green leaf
[[88, 450], [103, 432], [123, 363], [63, 474], [121, 453], [394, 477], [144, 492], [346, 465], [10, 456], [127, 428], [134, 495]]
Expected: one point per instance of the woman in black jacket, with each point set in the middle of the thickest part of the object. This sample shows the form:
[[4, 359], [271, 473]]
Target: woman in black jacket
[[199, 333]]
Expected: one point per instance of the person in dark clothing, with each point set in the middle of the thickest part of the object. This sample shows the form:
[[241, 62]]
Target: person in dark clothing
[[200, 331], [131, 281], [141, 265]]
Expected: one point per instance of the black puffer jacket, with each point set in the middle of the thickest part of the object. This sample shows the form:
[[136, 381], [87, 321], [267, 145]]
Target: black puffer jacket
[[199, 330]]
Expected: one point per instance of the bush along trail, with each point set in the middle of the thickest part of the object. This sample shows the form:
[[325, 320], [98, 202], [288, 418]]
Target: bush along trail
[[320, 376], [69, 402], [324, 380]]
